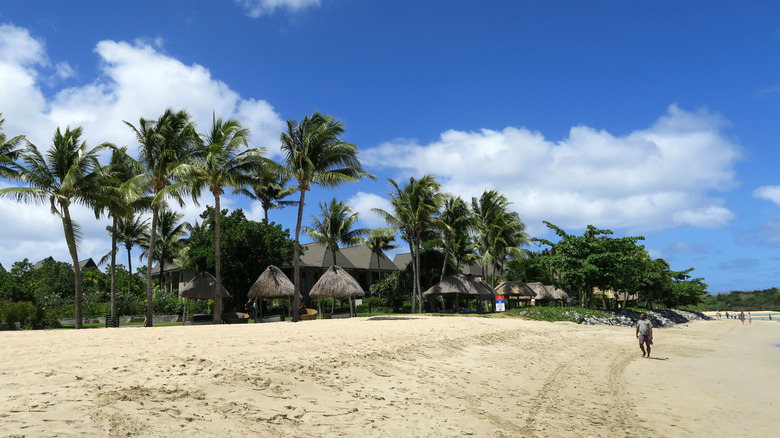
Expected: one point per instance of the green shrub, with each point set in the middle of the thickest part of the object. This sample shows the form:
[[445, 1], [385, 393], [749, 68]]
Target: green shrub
[[22, 312]]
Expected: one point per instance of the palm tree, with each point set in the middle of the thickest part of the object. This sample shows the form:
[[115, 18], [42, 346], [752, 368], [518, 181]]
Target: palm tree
[[500, 231], [270, 188], [224, 164], [455, 223], [379, 241], [9, 152], [334, 226], [68, 173], [117, 202], [315, 155], [415, 205], [171, 238], [130, 231], [168, 146]]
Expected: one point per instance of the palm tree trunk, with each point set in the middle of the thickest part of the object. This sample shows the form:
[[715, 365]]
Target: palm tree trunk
[[414, 275], [333, 251], [297, 261], [113, 270], [418, 284], [444, 265], [70, 238], [149, 261], [129, 273], [378, 272], [217, 270]]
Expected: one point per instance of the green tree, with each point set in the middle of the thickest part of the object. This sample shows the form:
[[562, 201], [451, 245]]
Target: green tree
[[9, 152], [170, 240], [131, 232], [455, 223], [248, 248], [225, 163], [335, 226], [116, 201], [500, 231], [314, 154], [270, 188], [593, 260], [169, 145], [68, 173], [414, 207], [379, 241]]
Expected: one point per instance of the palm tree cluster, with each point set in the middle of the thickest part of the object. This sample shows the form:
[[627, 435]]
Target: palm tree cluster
[[489, 232], [175, 162]]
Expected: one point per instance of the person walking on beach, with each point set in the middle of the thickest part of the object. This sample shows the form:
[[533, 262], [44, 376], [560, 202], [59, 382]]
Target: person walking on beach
[[644, 332], [750, 318], [742, 317]]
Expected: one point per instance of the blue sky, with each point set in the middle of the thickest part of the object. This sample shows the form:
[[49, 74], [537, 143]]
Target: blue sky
[[649, 118]]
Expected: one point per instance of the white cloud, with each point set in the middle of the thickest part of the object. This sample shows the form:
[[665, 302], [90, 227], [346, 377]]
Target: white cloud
[[256, 8], [136, 80], [362, 203], [770, 193], [654, 178]]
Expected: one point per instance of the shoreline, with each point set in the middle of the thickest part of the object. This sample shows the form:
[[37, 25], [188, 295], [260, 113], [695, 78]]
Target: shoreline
[[390, 376]]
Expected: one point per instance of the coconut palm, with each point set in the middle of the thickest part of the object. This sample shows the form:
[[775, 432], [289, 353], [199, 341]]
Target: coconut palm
[[131, 231], [68, 173], [224, 163], [116, 201], [500, 231], [415, 206], [9, 152], [168, 147], [334, 226], [379, 241], [315, 155], [270, 188], [455, 223], [171, 238]]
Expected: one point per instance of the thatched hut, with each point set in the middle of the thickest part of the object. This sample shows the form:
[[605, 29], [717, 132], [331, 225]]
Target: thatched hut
[[271, 284], [559, 295], [460, 284], [336, 283], [202, 287], [515, 290]]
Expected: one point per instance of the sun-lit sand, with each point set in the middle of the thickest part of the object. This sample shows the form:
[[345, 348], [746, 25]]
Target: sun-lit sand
[[402, 376]]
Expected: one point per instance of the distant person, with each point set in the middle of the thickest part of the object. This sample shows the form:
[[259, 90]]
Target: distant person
[[750, 318], [644, 332], [742, 317], [727, 314], [718, 313]]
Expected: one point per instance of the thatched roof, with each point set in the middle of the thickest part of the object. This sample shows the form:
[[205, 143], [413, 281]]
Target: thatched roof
[[548, 292], [201, 287], [460, 284], [336, 282], [515, 288], [558, 294], [272, 283]]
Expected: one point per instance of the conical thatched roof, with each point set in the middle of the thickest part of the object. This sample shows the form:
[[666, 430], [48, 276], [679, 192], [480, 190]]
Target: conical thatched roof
[[460, 284], [557, 294], [272, 283], [336, 282], [201, 287], [542, 293], [515, 288]]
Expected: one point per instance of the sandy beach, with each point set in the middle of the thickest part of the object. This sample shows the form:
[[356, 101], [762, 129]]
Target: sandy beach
[[392, 376]]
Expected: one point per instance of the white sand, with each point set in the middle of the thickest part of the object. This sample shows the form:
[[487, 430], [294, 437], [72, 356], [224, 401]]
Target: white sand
[[405, 376]]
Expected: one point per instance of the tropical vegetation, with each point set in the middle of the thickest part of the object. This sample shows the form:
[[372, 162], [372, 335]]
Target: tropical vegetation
[[444, 233]]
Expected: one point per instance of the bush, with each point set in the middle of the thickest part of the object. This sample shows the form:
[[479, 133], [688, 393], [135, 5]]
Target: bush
[[21, 312]]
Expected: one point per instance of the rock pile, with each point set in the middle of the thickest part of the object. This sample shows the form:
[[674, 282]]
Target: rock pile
[[660, 318]]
